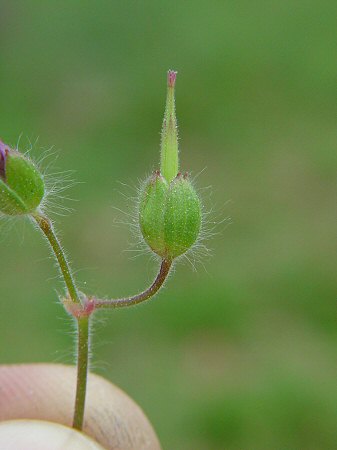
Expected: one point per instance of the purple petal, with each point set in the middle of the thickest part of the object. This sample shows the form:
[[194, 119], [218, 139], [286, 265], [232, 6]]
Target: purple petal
[[4, 149]]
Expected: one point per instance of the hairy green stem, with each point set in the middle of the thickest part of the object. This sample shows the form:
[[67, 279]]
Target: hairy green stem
[[138, 298], [82, 370], [82, 321]]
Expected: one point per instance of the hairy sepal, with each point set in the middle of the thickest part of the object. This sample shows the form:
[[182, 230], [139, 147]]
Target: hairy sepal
[[169, 215], [22, 189]]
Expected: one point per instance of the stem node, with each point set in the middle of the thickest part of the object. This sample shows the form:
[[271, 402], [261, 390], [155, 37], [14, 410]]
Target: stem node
[[85, 309]]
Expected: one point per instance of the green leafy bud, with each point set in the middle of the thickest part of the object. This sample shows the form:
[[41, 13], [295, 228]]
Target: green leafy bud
[[170, 215], [21, 184]]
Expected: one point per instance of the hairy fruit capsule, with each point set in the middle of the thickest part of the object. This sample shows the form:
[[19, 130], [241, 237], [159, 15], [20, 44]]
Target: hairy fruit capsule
[[169, 215], [21, 184]]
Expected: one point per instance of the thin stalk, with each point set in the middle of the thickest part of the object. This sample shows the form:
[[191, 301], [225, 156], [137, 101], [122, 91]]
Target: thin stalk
[[47, 228], [82, 370], [142, 296]]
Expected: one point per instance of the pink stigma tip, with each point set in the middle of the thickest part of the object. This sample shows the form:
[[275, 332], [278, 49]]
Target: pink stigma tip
[[171, 78]]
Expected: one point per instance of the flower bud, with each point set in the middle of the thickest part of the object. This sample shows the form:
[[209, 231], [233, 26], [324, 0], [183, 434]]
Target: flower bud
[[170, 215], [21, 184]]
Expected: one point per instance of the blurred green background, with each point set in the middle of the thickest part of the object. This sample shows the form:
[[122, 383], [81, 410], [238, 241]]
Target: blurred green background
[[241, 353]]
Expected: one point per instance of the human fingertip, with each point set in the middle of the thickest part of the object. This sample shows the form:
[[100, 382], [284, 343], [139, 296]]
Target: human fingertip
[[40, 435]]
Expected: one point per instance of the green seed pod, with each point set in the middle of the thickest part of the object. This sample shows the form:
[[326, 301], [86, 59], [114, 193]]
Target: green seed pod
[[21, 184], [170, 215]]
